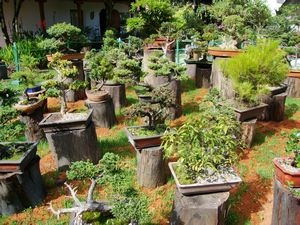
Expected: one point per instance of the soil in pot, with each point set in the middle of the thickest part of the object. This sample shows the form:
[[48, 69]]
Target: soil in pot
[[13, 151], [28, 106], [146, 132]]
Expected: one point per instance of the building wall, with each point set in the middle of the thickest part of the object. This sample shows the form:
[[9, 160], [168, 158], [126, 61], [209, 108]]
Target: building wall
[[56, 11]]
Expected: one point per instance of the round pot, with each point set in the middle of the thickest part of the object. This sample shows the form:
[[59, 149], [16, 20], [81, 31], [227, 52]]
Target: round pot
[[96, 96], [30, 108]]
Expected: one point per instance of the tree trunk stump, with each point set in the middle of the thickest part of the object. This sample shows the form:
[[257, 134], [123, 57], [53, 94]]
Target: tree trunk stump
[[33, 132], [156, 81], [293, 87], [176, 110], [103, 113], [286, 207], [203, 78], [219, 81], [275, 108], [151, 167], [207, 209], [70, 146], [73, 96], [22, 189], [191, 70], [118, 94], [248, 131]]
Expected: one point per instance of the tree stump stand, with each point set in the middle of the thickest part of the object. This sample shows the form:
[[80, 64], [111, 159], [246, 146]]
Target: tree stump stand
[[293, 86], [149, 51], [151, 167], [191, 70], [118, 94], [206, 209], [33, 132], [176, 110], [275, 108], [22, 189], [203, 77], [103, 113], [73, 145], [248, 131], [286, 207]]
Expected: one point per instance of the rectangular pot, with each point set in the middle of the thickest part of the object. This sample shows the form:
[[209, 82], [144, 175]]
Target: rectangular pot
[[50, 125], [284, 176], [19, 165], [278, 90], [250, 113], [196, 189], [140, 142]]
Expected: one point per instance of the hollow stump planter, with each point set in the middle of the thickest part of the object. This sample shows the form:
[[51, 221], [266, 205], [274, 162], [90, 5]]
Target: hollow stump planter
[[118, 94], [103, 112], [71, 141], [293, 82], [248, 131], [199, 72]]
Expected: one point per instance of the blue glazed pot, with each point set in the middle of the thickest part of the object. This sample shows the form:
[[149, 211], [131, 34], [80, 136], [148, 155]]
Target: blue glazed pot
[[34, 89]]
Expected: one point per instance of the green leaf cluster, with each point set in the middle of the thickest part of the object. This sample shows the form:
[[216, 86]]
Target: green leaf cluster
[[293, 146], [255, 70]]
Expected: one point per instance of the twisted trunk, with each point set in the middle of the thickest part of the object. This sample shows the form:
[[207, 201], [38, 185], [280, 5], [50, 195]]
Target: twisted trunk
[[3, 24]]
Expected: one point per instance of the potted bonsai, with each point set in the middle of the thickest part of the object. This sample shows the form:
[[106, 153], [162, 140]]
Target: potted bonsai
[[206, 147], [254, 73], [156, 111], [287, 170], [227, 48], [71, 136]]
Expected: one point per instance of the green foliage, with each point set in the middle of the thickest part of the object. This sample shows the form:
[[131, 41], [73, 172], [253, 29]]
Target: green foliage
[[133, 48], [209, 140], [83, 169], [256, 69], [293, 145], [110, 40], [8, 93], [148, 16]]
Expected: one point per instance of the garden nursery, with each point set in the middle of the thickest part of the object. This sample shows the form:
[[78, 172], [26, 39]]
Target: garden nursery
[[192, 116]]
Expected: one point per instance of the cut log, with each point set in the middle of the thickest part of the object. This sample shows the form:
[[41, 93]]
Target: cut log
[[191, 70], [286, 207], [248, 131], [20, 190], [151, 167], [70, 146], [156, 81], [293, 87], [103, 113], [275, 108], [207, 209], [118, 95], [176, 110], [33, 132], [203, 78]]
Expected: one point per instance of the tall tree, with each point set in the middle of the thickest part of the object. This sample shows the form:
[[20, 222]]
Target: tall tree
[[15, 21], [3, 24]]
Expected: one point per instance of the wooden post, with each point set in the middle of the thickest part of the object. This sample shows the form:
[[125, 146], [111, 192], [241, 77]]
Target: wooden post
[[206, 209], [42, 14], [248, 131], [151, 167], [286, 207], [203, 77], [103, 113]]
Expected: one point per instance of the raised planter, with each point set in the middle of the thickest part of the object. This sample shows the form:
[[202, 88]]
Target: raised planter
[[284, 176], [73, 56], [195, 189], [250, 113], [96, 96], [293, 82], [278, 90], [17, 164], [140, 142], [223, 52], [118, 94]]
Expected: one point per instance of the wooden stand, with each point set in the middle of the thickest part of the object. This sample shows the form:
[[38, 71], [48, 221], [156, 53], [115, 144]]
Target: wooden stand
[[286, 208], [208, 209], [275, 109], [20, 190], [248, 131], [118, 95], [73, 145], [151, 167], [33, 132], [176, 110], [293, 87], [203, 78], [103, 113]]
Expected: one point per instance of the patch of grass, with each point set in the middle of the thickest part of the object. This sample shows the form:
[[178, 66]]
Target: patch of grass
[[265, 173], [292, 105], [236, 197], [188, 85], [243, 170], [260, 137], [43, 148]]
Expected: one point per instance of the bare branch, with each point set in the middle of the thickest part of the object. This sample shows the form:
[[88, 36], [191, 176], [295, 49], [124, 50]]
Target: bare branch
[[61, 211], [73, 194], [92, 188]]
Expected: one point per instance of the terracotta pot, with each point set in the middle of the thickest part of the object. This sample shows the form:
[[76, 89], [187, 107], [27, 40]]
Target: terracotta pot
[[72, 56], [96, 96], [30, 108], [223, 53], [284, 176], [158, 42], [294, 73], [250, 113]]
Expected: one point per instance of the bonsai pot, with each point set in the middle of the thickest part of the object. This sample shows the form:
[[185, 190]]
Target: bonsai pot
[[140, 142], [294, 73], [197, 188], [31, 107], [285, 175], [96, 96], [223, 52], [158, 42], [72, 56], [279, 89], [250, 113], [35, 91], [19, 162]]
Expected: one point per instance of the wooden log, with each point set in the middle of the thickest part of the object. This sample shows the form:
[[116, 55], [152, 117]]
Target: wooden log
[[286, 207], [191, 70], [203, 78], [293, 87], [176, 110], [103, 113], [151, 167], [207, 209], [70, 146], [156, 81], [33, 132], [21, 189], [275, 108], [248, 131], [118, 94]]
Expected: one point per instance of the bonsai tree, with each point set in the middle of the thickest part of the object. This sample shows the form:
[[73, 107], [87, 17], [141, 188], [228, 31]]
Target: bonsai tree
[[63, 37], [207, 144], [58, 86], [134, 48], [257, 69], [293, 146]]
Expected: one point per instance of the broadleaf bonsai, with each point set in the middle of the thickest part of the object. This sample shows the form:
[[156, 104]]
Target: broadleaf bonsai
[[293, 146]]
